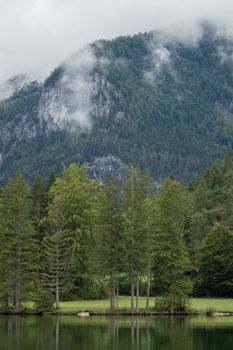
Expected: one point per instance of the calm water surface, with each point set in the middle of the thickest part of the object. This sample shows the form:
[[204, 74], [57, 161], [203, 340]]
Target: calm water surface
[[100, 333]]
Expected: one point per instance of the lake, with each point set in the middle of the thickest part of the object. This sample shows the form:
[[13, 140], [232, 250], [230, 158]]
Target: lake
[[108, 333]]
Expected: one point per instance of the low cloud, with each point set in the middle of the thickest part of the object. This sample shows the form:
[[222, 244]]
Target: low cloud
[[36, 35], [159, 59], [10, 86], [225, 57], [67, 101], [80, 90]]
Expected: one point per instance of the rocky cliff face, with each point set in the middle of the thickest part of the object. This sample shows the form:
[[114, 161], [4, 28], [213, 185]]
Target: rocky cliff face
[[104, 168], [77, 104]]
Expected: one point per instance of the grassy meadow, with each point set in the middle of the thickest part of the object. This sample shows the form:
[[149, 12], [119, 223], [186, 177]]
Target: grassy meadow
[[197, 304]]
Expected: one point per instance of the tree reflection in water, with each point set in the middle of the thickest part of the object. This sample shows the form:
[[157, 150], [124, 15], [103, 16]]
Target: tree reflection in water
[[112, 333]]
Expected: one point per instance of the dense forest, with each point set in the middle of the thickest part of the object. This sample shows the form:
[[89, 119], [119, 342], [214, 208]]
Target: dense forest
[[163, 103], [69, 237]]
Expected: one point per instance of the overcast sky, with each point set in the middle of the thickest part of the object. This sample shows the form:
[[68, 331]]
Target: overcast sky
[[36, 35]]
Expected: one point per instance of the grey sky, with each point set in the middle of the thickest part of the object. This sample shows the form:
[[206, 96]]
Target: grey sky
[[36, 35]]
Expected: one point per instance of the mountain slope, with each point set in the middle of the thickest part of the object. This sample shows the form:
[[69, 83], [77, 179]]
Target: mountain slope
[[162, 103]]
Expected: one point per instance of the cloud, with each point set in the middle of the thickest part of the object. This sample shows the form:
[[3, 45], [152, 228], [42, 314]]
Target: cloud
[[36, 35], [159, 59], [79, 86], [8, 87], [224, 55], [68, 102]]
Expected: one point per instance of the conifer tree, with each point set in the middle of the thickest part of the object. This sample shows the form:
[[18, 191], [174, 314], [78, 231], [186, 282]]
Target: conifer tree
[[18, 253], [216, 262], [149, 243], [79, 197], [135, 217], [57, 252], [110, 239], [71, 215], [171, 255]]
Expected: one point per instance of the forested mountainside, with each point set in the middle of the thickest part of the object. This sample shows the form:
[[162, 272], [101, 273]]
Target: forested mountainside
[[148, 99]]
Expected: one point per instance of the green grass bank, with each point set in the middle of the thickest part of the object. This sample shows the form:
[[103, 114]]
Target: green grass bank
[[201, 305]]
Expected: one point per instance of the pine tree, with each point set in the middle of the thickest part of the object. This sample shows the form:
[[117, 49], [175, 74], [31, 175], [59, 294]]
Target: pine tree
[[149, 243], [71, 216], [216, 262], [109, 249], [57, 252], [79, 196], [171, 255], [18, 254], [135, 194]]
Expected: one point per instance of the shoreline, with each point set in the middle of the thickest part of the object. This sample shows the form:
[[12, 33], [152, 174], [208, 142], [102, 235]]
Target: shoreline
[[87, 313]]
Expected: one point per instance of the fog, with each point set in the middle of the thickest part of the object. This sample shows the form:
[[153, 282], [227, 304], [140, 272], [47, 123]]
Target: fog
[[36, 35]]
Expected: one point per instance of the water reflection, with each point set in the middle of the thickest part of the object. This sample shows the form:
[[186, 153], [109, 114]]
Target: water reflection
[[99, 333]]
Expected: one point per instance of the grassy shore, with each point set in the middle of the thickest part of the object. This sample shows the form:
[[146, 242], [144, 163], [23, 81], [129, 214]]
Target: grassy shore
[[197, 304]]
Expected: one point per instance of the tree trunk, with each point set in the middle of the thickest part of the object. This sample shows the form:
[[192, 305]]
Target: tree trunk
[[18, 285], [57, 295], [110, 295], [117, 293], [6, 300], [112, 292], [132, 295], [148, 289], [137, 292], [57, 277], [172, 307], [13, 299]]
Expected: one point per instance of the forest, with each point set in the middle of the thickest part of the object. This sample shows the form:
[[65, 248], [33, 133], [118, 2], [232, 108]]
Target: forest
[[70, 237]]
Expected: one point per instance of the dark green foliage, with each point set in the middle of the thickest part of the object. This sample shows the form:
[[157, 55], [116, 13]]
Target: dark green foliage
[[110, 241], [18, 253], [135, 194], [216, 263], [212, 205], [23, 102], [43, 300], [172, 262], [50, 181], [86, 237], [39, 204], [74, 198]]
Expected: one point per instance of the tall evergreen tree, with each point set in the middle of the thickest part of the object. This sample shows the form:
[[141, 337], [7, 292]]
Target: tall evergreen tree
[[149, 243], [18, 253], [216, 262], [57, 252], [171, 255], [135, 194], [77, 198], [110, 239]]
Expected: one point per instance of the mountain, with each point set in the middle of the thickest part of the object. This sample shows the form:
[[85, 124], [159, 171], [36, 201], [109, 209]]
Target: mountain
[[163, 103]]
